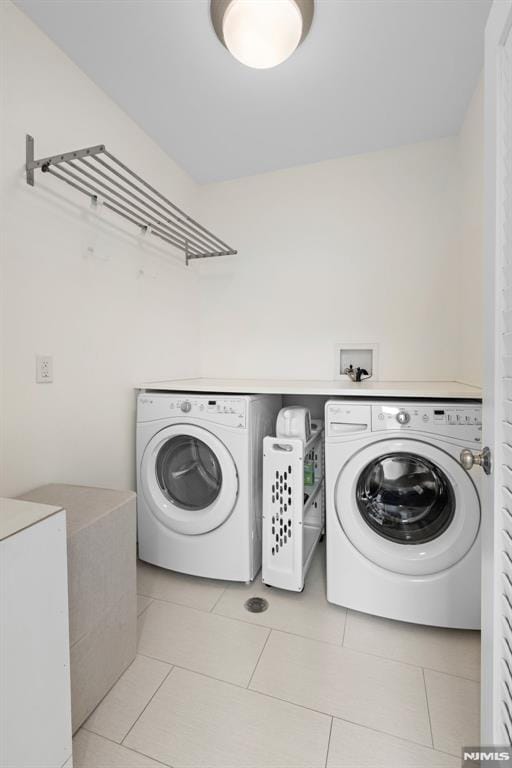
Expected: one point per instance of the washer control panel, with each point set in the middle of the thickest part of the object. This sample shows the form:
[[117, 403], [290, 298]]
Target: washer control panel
[[231, 411], [453, 420]]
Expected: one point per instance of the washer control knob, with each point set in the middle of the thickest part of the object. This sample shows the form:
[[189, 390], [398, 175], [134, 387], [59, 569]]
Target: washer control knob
[[186, 407], [403, 417]]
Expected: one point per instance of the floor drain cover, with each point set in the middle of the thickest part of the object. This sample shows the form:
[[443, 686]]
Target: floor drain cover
[[256, 604]]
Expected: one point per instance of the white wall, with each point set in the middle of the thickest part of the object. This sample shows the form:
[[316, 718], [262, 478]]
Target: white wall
[[362, 248], [471, 174], [107, 326], [365, 248]]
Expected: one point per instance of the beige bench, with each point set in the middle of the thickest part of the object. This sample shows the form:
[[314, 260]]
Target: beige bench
[[101, 534]]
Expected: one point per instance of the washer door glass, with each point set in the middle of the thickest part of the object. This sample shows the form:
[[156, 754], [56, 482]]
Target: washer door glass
[[188, 472], [406, 505], [405, 498]]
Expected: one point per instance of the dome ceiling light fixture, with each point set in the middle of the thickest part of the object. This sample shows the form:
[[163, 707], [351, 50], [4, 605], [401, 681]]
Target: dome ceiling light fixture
[[261, 33]]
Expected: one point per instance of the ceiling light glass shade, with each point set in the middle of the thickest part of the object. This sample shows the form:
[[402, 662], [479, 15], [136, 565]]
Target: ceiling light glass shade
[[261, 33]]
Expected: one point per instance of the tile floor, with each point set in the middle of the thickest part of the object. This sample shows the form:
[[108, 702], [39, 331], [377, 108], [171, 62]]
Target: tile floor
[[303, 685]]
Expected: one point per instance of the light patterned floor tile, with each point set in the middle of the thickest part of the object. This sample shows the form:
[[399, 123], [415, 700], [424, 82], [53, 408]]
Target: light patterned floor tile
[[354, 746], [177, 587], [454, 651], [93, 751], [204, 642], [142, 603], [306, 613], [379, 693], [120, 708], [196, 722], [454, 705]]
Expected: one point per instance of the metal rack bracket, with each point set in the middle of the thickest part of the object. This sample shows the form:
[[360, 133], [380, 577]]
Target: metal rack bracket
[[97, 173]]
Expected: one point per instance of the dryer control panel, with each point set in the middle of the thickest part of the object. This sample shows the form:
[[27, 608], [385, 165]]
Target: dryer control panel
[[230, 411], [460, 421]]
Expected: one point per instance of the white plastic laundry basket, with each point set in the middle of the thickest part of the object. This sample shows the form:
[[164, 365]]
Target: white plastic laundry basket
[[293, 513]]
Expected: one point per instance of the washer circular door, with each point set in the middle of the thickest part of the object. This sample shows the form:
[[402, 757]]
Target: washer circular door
[[407, 506], [189, 479]]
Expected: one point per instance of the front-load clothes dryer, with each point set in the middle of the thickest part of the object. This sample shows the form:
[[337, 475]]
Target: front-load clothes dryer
[[199, 481], [403, 515]]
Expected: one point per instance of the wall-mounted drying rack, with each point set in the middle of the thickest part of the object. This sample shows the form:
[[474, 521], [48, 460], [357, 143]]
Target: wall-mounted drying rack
[[97, 173]]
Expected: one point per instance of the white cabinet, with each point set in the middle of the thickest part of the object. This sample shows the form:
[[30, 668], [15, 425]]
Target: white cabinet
[[35, 703]]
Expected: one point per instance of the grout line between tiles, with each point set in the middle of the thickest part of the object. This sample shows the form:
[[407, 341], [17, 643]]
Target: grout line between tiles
[[329, 742], [292, 703], [118, 744], [258, 659], [243, 621], [145, 754], [218, 600], [305, 637], [450, 754], [299, 706], [447, 674], [253, 623], [332, 717], [345, 627], [329, 714], [391, 736], [100, 702], [89, 729], [278, 629], [130, 729], [146, 606], [72, 645], [428, 706], [203, 612], [249, 690], [436, 749], [398, 661], [315, 711], [173, 602], [312, 639], [286, 701], [260, 693]]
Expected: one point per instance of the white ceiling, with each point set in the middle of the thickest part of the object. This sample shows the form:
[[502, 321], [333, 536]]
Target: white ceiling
[[371, 74]]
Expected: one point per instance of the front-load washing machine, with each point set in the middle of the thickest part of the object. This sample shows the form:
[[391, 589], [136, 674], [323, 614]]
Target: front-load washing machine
[[199, 481], [403, 515]]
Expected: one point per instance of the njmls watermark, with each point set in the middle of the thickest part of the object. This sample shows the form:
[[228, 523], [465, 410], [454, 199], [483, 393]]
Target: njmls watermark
[[483, 756]]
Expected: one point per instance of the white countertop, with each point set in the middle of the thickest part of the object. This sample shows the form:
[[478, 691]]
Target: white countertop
[[337, 388], [16, 515]]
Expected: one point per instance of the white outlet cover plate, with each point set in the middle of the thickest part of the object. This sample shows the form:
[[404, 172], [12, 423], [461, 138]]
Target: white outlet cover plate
[[44, 369]]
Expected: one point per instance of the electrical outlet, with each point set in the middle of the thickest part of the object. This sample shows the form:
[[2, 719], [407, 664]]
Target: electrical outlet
[[44, 369]]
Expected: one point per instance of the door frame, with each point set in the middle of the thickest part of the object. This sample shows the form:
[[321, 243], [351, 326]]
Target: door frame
[[497, 27]]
